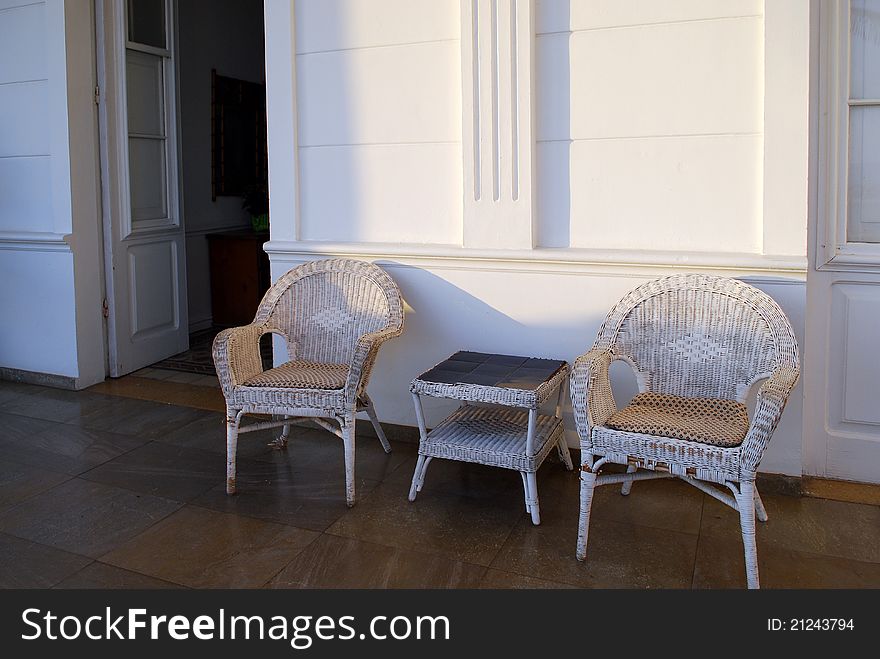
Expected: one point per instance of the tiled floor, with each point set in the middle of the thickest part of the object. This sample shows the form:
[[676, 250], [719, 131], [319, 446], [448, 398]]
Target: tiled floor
[[110, 488]]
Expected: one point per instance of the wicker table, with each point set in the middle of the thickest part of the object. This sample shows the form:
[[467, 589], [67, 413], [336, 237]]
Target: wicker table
[[509, 433]]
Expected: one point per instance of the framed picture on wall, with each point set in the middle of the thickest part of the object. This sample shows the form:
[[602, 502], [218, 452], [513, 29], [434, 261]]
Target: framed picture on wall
[[238, 136]]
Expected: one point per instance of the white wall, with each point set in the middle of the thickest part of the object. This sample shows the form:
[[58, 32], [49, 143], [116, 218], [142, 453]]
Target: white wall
[[379, 98], [226, 35], [668, 135], [650, 124], [549, 310], [50, 259]]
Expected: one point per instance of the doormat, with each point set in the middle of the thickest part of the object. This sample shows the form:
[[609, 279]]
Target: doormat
[[198, 359]]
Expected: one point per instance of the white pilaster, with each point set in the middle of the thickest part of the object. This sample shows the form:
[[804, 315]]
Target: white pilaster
[[281, 117], [498, 145]]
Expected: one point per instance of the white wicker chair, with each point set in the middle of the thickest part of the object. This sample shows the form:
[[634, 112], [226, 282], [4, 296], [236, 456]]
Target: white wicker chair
[[691, 340], [334, 315]]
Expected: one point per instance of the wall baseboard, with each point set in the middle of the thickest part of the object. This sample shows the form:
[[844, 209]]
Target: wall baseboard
[[825, 488], [792, 486], [199, 325], [42, 379]]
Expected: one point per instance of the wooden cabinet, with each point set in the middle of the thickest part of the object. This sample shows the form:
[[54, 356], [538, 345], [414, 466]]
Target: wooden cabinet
[[239, 275]]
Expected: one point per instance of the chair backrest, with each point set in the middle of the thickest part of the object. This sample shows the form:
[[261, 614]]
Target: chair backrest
[[325, 306], [700, 336]]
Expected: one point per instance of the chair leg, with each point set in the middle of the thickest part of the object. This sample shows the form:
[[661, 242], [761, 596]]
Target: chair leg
[[760, 510], [532, 497], [588, 485], [233, 418], [745, 501], [525, 482], [280, 442], [627, 486], [347, 424], [419, 476], [564, 454], [371, 412]]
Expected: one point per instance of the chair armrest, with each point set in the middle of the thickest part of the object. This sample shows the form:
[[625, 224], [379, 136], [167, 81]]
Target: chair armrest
[[236, 354], [363, 357], [772, 397], [591, 395]]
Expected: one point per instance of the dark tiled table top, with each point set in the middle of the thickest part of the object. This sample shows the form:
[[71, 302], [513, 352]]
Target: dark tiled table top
[[491, 370]]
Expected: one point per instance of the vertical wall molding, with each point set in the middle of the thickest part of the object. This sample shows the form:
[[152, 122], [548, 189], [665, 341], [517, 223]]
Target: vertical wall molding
[[786, 126], [498, 123], [281, 118]]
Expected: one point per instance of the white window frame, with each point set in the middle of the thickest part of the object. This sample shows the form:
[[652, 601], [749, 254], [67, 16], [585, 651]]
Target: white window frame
[[169, 63], [833, 250]]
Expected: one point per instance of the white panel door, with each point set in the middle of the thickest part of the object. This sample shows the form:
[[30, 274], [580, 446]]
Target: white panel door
[[144, 239], [842, 355]]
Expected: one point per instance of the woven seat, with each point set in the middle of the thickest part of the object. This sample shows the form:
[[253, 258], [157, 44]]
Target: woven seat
[[334, 315], [713, 421], [301, 375], [697, 344]]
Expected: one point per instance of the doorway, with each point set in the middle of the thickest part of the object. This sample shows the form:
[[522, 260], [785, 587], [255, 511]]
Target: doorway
[[183, 142]]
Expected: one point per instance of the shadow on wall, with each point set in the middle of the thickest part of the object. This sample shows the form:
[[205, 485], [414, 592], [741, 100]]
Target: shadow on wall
[[553, 114], [442, 318]]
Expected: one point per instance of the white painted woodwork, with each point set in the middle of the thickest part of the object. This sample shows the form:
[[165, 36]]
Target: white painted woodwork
[[841, 420], [146, 90], [864, 66], [855, 310], [282, 119], [849, 137], [41, 133], [863, 175], [38, 332], [153, 282], [787, 90], [842, 376], [863, 172], [594, 261], [498, 143], [149, 179], [554, 194], [144, 238]]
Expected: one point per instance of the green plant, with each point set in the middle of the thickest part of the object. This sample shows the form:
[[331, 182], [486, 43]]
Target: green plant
[[255, 201]]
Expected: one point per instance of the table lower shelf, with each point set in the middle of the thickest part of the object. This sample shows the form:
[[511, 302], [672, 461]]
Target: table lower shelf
[[492, 436]]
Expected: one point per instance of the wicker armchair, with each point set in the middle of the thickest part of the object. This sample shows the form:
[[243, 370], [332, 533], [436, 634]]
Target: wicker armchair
[[697, 344], [334, 315]]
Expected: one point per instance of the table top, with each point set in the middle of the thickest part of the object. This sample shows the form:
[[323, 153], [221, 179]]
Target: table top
[[493, 378]]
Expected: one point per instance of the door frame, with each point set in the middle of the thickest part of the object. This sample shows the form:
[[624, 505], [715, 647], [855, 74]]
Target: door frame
[[834, 446], [111, 42]]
